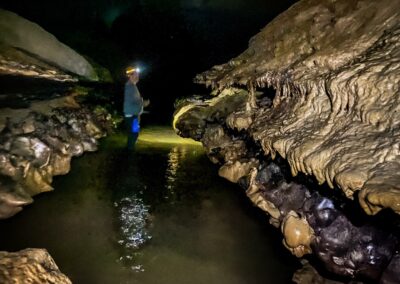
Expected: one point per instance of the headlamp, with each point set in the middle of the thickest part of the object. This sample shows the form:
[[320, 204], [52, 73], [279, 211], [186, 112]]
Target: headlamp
[[131, 70]]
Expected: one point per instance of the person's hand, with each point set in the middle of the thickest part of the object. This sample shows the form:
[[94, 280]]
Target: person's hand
[[146, 103]]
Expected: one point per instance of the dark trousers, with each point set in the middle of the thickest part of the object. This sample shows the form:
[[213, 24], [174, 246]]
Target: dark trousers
[[132, 136]]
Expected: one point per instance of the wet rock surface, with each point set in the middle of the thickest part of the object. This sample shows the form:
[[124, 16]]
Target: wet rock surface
[[308, 274], [30, 266], [335, 68], [324, 224], [334, 117], [38, 143]]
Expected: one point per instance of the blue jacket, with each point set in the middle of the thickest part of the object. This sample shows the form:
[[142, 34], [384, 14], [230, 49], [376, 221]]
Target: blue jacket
[[133, 101]]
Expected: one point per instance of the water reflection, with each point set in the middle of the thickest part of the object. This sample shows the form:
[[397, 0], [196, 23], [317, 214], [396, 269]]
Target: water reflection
[[173, 165], [134, 215], [162, 212], [133, 218], [175, 156]]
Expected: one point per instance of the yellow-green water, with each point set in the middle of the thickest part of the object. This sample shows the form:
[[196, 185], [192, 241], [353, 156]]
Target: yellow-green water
[[158, 215]]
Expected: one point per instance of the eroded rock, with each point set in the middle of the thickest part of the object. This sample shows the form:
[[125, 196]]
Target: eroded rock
[[335, 67], [30, 266], [20, 33], [37, 145], [335, 112], [236, 170]]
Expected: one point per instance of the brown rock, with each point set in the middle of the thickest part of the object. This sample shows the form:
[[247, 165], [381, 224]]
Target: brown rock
[[30, 266], [335, 68]]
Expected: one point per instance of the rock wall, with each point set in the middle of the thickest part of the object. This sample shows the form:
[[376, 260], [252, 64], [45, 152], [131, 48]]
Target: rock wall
[[17, 62], [38, 143], [334, 67], [30, 266], [17, 32], [321, 222]]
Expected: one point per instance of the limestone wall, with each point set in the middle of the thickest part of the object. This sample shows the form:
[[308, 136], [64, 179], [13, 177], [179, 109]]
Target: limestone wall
[[327, 143], [335, 66]]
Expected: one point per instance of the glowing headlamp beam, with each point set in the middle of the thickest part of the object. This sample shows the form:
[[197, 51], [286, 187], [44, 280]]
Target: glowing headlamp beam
[[132, 70]]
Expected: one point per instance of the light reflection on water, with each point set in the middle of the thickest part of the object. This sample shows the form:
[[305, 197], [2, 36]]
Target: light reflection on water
[[174, 157], [160, 215], [133, 217]]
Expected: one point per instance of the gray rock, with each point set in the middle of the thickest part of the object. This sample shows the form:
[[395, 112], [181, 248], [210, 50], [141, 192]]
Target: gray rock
[[29, 161], [21, 33]]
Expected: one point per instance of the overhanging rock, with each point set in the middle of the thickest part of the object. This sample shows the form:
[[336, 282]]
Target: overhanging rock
[[335, 70], [335, 66], [19, 33]]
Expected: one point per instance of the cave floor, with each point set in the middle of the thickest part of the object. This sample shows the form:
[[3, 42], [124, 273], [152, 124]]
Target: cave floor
[[158, 215]]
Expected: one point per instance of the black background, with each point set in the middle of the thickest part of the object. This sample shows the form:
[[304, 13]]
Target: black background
[[172, 40]]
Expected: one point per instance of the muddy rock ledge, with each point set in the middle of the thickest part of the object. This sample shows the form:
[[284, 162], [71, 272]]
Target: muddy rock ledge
[[38, 142], [306, 121], [30, 266]]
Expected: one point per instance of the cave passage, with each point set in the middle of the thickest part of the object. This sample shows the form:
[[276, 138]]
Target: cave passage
[[160, 215]]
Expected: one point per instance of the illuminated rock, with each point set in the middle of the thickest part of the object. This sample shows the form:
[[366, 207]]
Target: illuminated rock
[[38, 143], [22, 34], [235, 170], [335, 69], [30, 266], [334, 66], [298, 234], [191, 118], [14, 61]]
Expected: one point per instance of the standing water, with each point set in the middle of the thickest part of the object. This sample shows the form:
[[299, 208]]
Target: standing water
[[158, 215]]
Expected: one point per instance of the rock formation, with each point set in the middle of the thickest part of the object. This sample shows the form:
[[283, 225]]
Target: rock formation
[[40, 131], [334, 67], [30, 266], [14, 61], [27, 49], [38, 143]]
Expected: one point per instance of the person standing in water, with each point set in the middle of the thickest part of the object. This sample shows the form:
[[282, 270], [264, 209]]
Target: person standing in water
[[133, 106]]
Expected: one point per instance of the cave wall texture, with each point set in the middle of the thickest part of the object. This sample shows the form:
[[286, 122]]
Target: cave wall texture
[[38, 142], [30, 266], [41, 132], [334, 68], [27, 49]]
